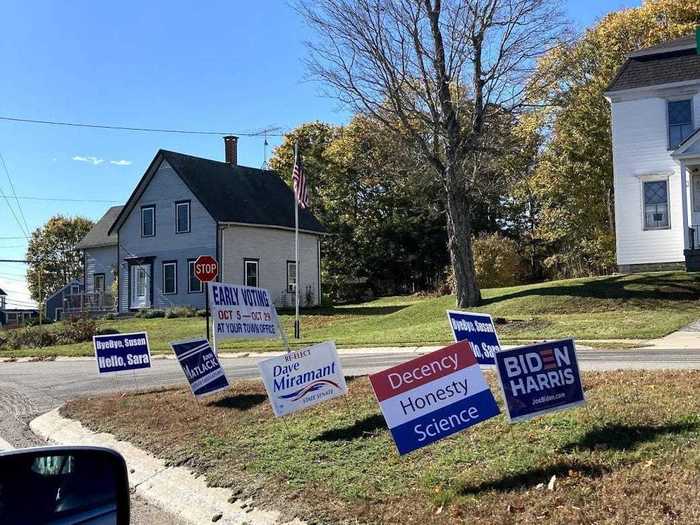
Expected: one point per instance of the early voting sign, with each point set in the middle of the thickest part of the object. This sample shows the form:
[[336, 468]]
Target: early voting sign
[[201, 366], [539, 378], [242, 312], [303, 378], [434, 396], [478, 331], [121, 352]]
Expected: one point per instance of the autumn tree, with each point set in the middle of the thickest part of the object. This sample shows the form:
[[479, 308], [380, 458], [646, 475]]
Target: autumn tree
[[385, 221], [51, 254], [435, 73], [573, 181]]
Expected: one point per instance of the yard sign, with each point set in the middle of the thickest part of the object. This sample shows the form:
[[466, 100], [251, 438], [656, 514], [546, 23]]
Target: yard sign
[[539, 378], [121, 352], [201, 366], [433, 396], [242, 312], [478, 330], [303, 378]]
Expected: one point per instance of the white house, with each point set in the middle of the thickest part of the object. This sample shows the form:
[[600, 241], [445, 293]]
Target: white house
[[186, 206], [655, 108]]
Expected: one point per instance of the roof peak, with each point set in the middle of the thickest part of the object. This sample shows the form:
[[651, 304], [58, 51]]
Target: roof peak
[[676, 44], [167, 152]]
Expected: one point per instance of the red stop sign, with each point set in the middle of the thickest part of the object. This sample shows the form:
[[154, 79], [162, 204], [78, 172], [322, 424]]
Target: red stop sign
[[206, 268]]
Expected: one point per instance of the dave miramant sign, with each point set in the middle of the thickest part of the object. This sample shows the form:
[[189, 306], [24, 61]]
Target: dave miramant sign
[[303, 378]]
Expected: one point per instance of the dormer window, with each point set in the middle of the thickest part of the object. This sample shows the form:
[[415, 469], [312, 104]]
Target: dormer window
[[680, 122], [148, 221]]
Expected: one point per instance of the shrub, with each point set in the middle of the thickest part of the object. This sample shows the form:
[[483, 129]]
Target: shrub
[[107, 331], [148, 313], [30, 337], [110, 316], [76, 330], [201, 312], [180, 311], [497, 261]]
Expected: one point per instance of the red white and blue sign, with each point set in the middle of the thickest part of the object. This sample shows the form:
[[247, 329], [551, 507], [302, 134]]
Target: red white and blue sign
[[539, 378], [433, 396], [201, 366], [121, 352], [478, 330]]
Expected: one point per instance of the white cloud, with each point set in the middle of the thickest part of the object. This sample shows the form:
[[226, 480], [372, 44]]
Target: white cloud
[[93, 160], [120, 162]]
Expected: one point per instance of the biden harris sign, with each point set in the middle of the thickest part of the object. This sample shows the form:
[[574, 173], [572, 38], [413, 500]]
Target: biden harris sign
[[433, 396], [121, 352], [303, 378], [539, 378], [478, 331], [201, 366], [242, 312]]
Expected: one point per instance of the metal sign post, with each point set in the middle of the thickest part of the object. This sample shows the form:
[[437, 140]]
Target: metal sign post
[[206, 268]]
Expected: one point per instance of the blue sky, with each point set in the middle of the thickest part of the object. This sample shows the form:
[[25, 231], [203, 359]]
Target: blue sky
[[224, 66]]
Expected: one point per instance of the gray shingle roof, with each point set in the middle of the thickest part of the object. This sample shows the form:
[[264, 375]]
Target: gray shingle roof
[[99, 234], [674, 61], [2, 292], [238, 194]]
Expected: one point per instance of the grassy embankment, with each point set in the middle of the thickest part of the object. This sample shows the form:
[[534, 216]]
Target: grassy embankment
[[637, 306], [631, 455]]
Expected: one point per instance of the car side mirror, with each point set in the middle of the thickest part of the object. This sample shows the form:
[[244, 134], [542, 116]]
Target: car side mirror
[[63, 486]]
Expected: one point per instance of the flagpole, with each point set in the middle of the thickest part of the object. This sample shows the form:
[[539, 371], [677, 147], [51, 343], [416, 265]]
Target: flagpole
[[297, 324]]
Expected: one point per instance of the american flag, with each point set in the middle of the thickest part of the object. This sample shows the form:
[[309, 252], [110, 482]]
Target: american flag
[[301, 190], [548, 359]]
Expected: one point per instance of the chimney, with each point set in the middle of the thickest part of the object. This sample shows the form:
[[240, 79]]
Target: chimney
[[231, 149]]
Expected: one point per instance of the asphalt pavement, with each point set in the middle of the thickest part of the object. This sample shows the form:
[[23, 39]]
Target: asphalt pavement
[[28, 389]]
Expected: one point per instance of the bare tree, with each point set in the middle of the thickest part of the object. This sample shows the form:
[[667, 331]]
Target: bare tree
[[435, 73]]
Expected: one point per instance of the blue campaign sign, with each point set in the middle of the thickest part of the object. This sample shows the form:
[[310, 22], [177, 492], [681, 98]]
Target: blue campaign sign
[[478, 330], [121, 352], [539, 378], [201, 366]]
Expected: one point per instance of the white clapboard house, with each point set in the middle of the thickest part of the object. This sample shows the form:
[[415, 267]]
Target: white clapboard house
[[655, 107]]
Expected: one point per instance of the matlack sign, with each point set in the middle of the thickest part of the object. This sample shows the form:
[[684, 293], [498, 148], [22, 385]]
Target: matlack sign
[[539, 378], [303, 378], [201, 366], [478, 330], [121, 352], [242, 312], [433, 396]]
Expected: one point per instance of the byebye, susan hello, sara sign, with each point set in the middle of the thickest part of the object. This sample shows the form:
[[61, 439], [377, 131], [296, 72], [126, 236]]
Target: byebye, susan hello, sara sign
[[303, 378], [433, 396]]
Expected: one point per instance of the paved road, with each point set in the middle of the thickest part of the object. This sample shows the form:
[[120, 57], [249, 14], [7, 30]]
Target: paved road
[[30, 389]]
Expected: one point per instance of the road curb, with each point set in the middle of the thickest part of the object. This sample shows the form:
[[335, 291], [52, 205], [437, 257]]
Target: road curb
[[174, 489]]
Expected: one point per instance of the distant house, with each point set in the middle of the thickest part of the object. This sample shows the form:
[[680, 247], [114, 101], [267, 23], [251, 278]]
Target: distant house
[[186, 206], [68, 300], [655, 109], [13, 317]]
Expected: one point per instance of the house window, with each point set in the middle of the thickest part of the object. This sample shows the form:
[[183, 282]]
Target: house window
[[655, 204], [250, 272], [182, 217], [680, 122], [148, 221], [169, 277], [194, 285], [75, 289], [291, 276], [99, 283]]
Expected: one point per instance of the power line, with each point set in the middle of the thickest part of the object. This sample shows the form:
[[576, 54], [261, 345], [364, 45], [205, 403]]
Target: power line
[[12, 187], [258, 133], [64, 199], [13, 238], [12, 211]]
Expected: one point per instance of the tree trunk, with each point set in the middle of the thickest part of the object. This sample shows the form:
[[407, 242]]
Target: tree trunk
[[459, 242]]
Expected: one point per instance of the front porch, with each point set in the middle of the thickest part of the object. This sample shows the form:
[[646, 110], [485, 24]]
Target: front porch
[[688, 155]]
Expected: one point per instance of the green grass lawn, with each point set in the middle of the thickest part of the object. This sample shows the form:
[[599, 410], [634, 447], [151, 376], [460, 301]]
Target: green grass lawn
[[630, 455], [636, 306]]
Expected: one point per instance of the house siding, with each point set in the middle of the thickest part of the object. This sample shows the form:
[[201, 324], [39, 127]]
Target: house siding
[[163, 191], [273, 248], [100, 260], [640, 151]]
